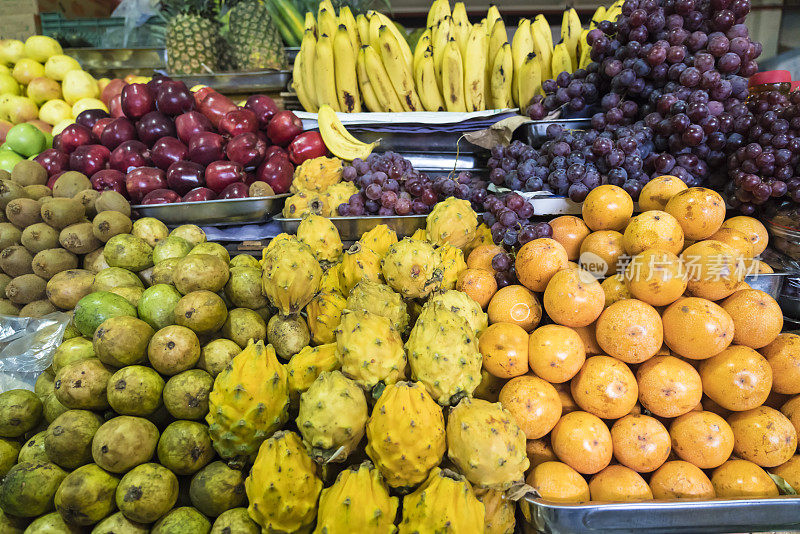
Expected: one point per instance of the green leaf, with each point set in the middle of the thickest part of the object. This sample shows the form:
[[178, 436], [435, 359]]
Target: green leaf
[[784, 487]]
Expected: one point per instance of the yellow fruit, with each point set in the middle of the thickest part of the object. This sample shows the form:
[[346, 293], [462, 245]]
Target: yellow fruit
[[26, 70], [60, 125], [54, 111], [11, 51], [41, 47], [59, 65], [78, 84], [87, 103], [8, 85], [42, 89]]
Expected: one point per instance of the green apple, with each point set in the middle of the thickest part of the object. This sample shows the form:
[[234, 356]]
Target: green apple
[[26, 139], [8, 159]]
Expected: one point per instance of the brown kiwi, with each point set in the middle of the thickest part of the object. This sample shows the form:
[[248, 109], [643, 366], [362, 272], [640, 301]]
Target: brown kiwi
[[37, 308], [109, 223], [9, 235], [88, 197], [61, 212], [4, 280], [28, 172], [49, 263], [79, 239], [70, 184], [112, 201], [10, 190], [16, 261], [38, 237], [95, 261], [261, 189], [8, 308], [22, 212], [25, 289], [38, 192]]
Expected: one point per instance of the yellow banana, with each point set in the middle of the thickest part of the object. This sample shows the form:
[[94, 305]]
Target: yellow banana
[[400, 73], [586, 57], [326, 4], [299, 85], [326, 22], [310, 22], [461, 25], [571, 33], [492, 15], [346, 17], [530, 79], [562, 62], [402, 43], [498, 36], [324, 73], [344, 61], [453, 78], [363, 29], [308, 51], [599, 15], [475, 60], [425, 80], [521, 46], [614, 11], [338, 140], [379, 79], [374, 25], [439, 10], [542, 27], [502, 69], [422, 45], [441, 36], [543, 49], [367, 92]]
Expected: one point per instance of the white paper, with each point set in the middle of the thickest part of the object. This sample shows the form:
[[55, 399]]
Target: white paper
[[409, 117]]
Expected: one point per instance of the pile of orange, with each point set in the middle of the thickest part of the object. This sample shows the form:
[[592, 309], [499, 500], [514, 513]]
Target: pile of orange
[[670, 378]]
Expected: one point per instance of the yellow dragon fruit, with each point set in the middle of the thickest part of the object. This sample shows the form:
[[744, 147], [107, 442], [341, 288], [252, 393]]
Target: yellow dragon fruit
[[307, 365], [323, 314], [330, 279], [444, 503], [274, 242], [322, 236], [452, 264], [499, 511], [463, 305], [332, 415], [317, 174], [249, 401], [303, 202], [483, 236], [412, 268], [485, 443], [358, 502], [405, 434], [379, 239], [452, 221], [291, 276], [358, 263], [370, 349], [335, 196], [443, 355], [373, 297], [420, 235], [283, 486]]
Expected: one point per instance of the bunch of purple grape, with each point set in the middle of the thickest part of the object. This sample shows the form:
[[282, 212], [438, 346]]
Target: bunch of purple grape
[[505, 273], [509, 218]]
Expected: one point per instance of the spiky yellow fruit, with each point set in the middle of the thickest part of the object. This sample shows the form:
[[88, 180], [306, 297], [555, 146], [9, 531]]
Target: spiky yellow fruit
[[323, 314], [452, 264], [307, 365], [444, 503], [379, 239], [336, 195], [303, 202], [463, 305], [317, 174], [373, 297], [499, 511], [370, 349], [330, 279], [358, 263], [483, 236], [452, 221], [291, 276], [321, 236], [412, 268]]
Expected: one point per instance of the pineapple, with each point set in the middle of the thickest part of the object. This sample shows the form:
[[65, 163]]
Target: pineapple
[[193, 40], [255, 41]]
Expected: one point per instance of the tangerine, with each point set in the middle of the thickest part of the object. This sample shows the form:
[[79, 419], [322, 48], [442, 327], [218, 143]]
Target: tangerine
[[668, 386], [589, 338], [764, 436], [741, 478], [656, 277], [696, 328], [481, 257], [568, 404], [539, 451], [630, 330], [753, 229], [791, 409], [615, 289], [738, 378], [656, 193], [574, 298], [713, 269], [555, 353], [702, 438], [605, 387], [619, 483], [607, 207], [534, 404], [757, 319], [538, 260], [504, 347], [653, 229], [570, 231], [640, 442], [699, 211], [736, 239], [790, 472], [515, 304], [783, 355], [583, 442], [681, 480], [479, 284], [602, 252], [558, 482]]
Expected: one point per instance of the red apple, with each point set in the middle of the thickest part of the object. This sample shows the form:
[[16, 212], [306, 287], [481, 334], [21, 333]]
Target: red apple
[[167, 151], [109, 180], [284, 127], [117, 132], [111, 90], [52, 180], [141, 181], [154, 126], [53, 161], [206, 147], [201, 93], [238, 121], [89, 117], [88, 159], [199, 194], [183, 176], [264, 108], [246, 149], [220, 174], [100, 125], [191, 123], [278, 173], [215, 106], [276, 150], [237, 190], [161, 196], [137, 100], [115, 107], [130, 155], [307, 145], [72, 137], [174, 98]]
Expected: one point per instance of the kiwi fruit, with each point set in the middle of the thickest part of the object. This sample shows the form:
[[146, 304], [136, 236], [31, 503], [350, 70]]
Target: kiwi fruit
[[70, 184], [261, 189], [28, 172], [8, 308], [48, 263], [88, 197], [22, 212], [9, 191], [37, 308], [112, 201], [9, 235], [38, 192], [16, 261], [5, 175], [25, 289], [79, 239], [4, 280], [61, 212], [38, 237], [109, 223], [95, 261]]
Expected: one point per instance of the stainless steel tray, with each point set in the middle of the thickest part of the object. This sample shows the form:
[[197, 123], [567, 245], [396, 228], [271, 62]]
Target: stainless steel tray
[[534, 134], [419, 143], [769, 283], [663, 517], [352, 228], [239, 82], [215, 212]]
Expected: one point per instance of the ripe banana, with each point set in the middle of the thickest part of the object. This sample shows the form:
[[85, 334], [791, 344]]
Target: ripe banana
[[374, 26], [599, 15], [461, 25], [338, 140], [346, 17], [326, 22], [299, 85], [542, 28], [344, 62], [324, 72], [399, 72], [308, 48], [379, 79], [570, 34], [502, 68], [492, 15], [497, 38], [562, 62], [367, 92], [439, 10], [475, 59], [425, 79], [441, 36], [325, 4], [531, 79], [521, 46], [586, 57], [614, 11], [408, 56], [453, 78], [362, 24], [422, 45], [543, 46], [310, 23]]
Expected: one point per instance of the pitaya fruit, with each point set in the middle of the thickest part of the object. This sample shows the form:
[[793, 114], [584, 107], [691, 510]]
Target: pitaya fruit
[[283, 486], [419, 235], [322, 236], [405, 434], [324, 313], [412, 268], [444, 503], [358, 502], [499, 511], [305, 366], [452, 264], [483, 236], [379, 239], [291, 276], [377, 298], [275, 241], [485, 443], [443, 355], [332, 415], [317, 174], [452, 221], [370, 349], [358, 263], [335, 196], [249, 401], [330, 279], [303, 202], [463, 305]]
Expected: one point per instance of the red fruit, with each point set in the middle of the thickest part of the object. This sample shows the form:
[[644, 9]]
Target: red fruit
[[199, 194], [88, 159], [307, 145], [129, 155], [237, 190], [89, 117], [156, 82], [206, 147], [117, 132], [52, 180], [167, 151], [191, 123], [215, 106], [115, 107], [238, 121], [141, 181], [154, 126], [174, 98], [264, 108], [201, 93], [53, 161], [109, 180], [276, 150], [161, 196], [183, 176], [137, 100], [111, 90], [247, 149], [284, 127], [277, 172], [100, 125], [220, 174], [72, 137]]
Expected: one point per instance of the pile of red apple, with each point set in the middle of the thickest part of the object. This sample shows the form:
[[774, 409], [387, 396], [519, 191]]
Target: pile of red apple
[[162, 143]]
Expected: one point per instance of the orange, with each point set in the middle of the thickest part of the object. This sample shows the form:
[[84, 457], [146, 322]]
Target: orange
[[697, 328], [738, 378], [555, 353], [479, 284], [656, 277], [534, 404], [702, 438], [607, 207], [681, 480], [515, 304], [538, 260], [539, 451], [790, 472], [792, 410], [783, 356], [752, 267], [740, 478], [481, 257], [736, 239], [630, 330], [713, 269], [568, 404], [558, 482], [504, 347], [757, 318], [574, 298], [583, 442], [668, 386], [605, 387], [617, 483], [752, 228], [764, 436], [570, 231], [699, 211], [653, 229], [615, 289], [656, 193], [711, 406], [640, 442], [601, 252], [589, 338]]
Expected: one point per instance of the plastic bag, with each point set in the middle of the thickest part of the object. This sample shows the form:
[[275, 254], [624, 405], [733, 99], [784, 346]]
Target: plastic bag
[[27, 346], [135, 13]]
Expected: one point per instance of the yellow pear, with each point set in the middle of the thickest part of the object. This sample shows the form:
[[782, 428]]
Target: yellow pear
[[79, 84], [42, 89], [11, 51], [54, 111], [41, 47], [102, 82], [87, 103], [59, 65], [4, 69], [22, 109], [59, 127], [8, 85], [27, 69]]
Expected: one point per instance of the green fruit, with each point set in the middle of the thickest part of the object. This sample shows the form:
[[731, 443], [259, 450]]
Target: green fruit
[[243, 325], [184, 520], [28, 488], [122, 340], [157, 305], [86, 495], [72, 350], [191, 233], [26, 139], [93, 309], [52, 524], [11, 525], [119, 524], [33, 450], [20, 411], [44, 384], [185, 447], [129, 252], [244, 287], [171, 247], [216, 356], [52, 408], [9, 453], [215, 249], [235, 520], [186, 394], [147, 492], [197, 272], [244, 260], [68, 441], [203, 312], [112, 277], [217, 488], [131, 294], [82, 385], [135, 390], [151, 230], [123, 443]]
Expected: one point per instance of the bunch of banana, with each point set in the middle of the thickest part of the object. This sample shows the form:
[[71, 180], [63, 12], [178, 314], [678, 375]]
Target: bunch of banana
[[339, 141]]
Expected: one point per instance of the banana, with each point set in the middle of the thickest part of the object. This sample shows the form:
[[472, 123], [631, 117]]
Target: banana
[[346, 17], [461, 26], [362, 24], [562, 62], [425, 80], [344, 62], [571, 33], [492, 15], [374, 25], [531, 79], [498, 36], [299, 86], [453, 78], [614, 11], [441, 36], [502, 69], [438, 11], [326, 22], [326, 4], [521, 46], [586, 57], [475, 59], [338, 140], [542, 28], [422, 45], [367, 92], [308, 51], [310, 23], [408, 56], [324, 73], [379, 79], [400, 73], [599, 14], [544, 50]]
